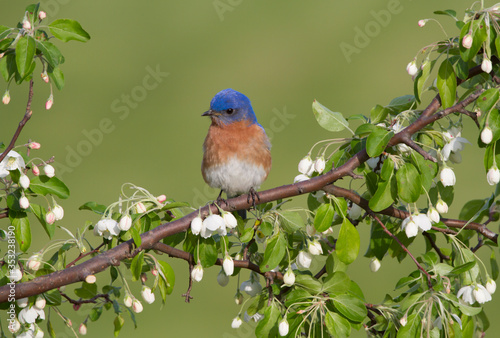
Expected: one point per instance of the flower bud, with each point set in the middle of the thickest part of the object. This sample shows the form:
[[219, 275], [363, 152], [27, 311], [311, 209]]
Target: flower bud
[[161, 198], [196, 225], [421, 23], [24, 181], [304, 260], [493, 175], [222, 278], [6, 97], [197, 273], [467, 41], [447, 177], [491, 286], [24, 202], [238, 298], [125, 223], [127, 300], [289, 277], [49, 102], [315, 248], [236, 322], [26, 24], [404, 320], [487, 135], [34, 262], [82, 329], [411, 68], [441, 206], [90, 279], [42, 15], [22, 302], [140, 208], [49, 170], [137, 306], [144, 277], [58, 212], [305, 164], [35, 170], [433, 214], [14, 325], [283, 327], [154, 272], [40, 302], [375, 264], [319, 164], [147, 295], [45, 78], [15, 275], [34, 145], [486, 65], [228, 265], [229, 220]]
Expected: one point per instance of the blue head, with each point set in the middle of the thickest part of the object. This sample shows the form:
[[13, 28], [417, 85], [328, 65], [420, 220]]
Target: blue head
[[230, 106]]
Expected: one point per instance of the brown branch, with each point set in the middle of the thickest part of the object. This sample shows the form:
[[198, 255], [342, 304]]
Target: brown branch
[[27, 116], [93, 300], [84, 255], [442, 256]]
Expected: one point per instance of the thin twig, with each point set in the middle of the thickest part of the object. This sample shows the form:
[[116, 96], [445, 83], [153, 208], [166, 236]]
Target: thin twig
[[442, 256], [84, 255]]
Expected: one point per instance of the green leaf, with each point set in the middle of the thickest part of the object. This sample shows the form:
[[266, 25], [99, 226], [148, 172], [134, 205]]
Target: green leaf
[[95, 313], [351, 307], [309, 283], [95, 207], [337, 325], [86, 291], [378, 114], [377, 141], [427, 169], [336, 283], [331, 121], [472, 210], [22, 230], [25, 51], [57, 76], [401, 103], [8, 66], [66, 30], [168, 276], [449, 12], [291, 221], [488, 99], [409, 184], [136, 236], [411, 327], [4, 31], [479, 35], [275, 251], [40, 212], [118, 324], [348, 243], [421, 79], [270, 320], [207, 250], [136, 266], [44, 185], [324, 217], [50, 329], [494, 266], [447, 84], [50, 52], [383, 197], [462, 268], [364, 129]]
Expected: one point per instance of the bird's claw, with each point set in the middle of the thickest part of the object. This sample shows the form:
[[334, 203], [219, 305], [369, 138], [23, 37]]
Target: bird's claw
[[254, 196]]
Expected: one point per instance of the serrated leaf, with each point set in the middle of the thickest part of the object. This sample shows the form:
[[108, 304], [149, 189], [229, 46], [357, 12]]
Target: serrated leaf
[[324, 217], [336, 283], [309, 283], [447, 84], [291, 221], [337, 325], [409, 183], [265, 325], [50, 52], [378, 114], [348, 243], [401, 103], [67, 30], [25, 51], [275, 251], [44, 185], [8, 66], [351, 307], [329, 120]]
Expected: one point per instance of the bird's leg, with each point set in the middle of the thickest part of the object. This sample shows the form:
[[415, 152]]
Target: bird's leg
[[254, 195], [220, 200]]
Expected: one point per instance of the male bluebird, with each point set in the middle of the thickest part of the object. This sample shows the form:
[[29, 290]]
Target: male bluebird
[[236, 151]]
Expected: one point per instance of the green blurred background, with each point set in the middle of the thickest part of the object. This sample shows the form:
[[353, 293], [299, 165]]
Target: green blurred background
[[282, 54]]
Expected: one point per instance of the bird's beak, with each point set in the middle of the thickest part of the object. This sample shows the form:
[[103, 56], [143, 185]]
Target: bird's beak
[[208, 113]]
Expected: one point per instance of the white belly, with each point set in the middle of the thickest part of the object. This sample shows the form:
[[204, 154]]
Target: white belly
[[236, 177]]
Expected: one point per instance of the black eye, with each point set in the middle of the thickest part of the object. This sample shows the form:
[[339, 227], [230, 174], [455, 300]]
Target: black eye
[[230, 111]]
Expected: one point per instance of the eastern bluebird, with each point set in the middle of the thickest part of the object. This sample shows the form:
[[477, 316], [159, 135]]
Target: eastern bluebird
[[236, 151]]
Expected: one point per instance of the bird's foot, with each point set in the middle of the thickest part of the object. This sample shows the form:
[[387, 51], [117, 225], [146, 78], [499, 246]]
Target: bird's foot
[[221, 200], [254, 196]]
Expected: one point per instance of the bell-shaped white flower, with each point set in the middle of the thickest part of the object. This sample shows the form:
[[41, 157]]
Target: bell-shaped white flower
[[49, 170], [491, 286], [466, 294], [196, 225], [214, 222], [447, 177], [58, 212], [13, 161], [481, 294], [441, 206], [125, 223], [433, 214], [40, 302], [15, 275], [486, 65], [315, 248], [29, 315], [236, 322], [305, 165], [14, 325], [137, 306], [197, 273], [409, 226], [304, 260], [107, 228], [222, 278], [375, 264], [412, 68], [22, 302], [283, 327], [228, 265], [423, 222], [229, 220], [487, 135], [147, 295], [289, 277], [319, 164], [493, 175], [24, 181], [455, 143], [24, 202], [301, 178], [127, 300]]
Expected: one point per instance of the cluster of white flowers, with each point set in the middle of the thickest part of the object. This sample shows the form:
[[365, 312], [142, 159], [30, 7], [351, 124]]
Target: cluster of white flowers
[[414, 222], [213, 223], [307, 167], [477, 292], [107, 228], [28, 317]]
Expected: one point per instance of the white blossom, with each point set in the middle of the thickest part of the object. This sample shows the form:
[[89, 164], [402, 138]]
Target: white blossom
[[15, 274], [13, 161], [301, 178], [127, 300], [214, 222], [467, 41], [228, 265], [196, 225], [58, 212], [315, 248], [411, 68], [487, 135], [49, 170], [107, 228], [455, 142], [289, 277], [28, 315], [481, 294], [24, 202], [24, 181], [447, 177], [491, 286], [441, 206], [493, 175], [82, 329], [319, 164], [304, 259], [14, 325], [22, 302], [236, 322], [137, 306], [466, 294], [374, 264], [305, 165], [409, 226], [125, 223], [486, 65], [229, 220], [147, 295], [283, 327], [197, 273], [40, 302], [433, 214]]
